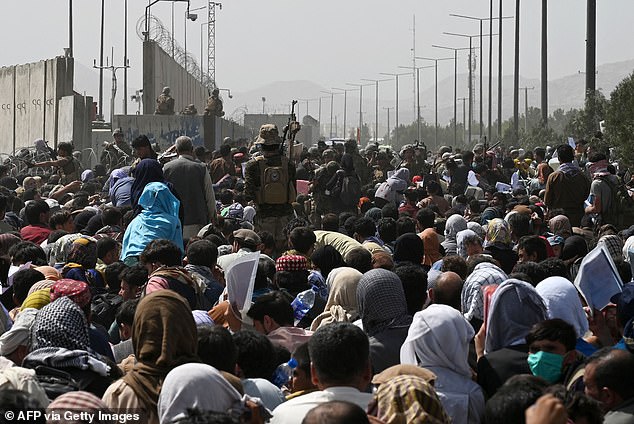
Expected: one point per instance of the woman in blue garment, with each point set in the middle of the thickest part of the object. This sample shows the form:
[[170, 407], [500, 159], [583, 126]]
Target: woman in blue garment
[[158, 219]]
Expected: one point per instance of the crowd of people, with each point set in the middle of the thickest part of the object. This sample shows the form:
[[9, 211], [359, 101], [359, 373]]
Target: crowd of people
[[388, 287]]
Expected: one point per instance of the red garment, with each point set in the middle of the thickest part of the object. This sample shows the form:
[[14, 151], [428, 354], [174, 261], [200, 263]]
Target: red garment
[[411, 210], [35, 233]]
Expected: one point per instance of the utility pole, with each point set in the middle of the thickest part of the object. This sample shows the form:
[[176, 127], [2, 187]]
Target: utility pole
[[100, 114], [345, 107], [388, 123], [464, 117], [499, 132], [360, 87], [470, 37], [70, 28], [417, 94], [396, 114], [435, 60], [544, 79], [526, 106], [114, 70], [490, 35], [591, 57], [376, 112], [516, 73], [211, 41], [455, 87], [125, 57]]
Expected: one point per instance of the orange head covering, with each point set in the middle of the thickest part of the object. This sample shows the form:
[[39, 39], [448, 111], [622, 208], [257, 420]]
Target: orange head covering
[[431, 246]]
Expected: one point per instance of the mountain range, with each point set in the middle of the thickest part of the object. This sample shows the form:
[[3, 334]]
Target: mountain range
[[566, 93]]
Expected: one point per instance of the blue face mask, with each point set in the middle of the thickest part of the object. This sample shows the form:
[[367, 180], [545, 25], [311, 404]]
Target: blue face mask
[[546, 365]]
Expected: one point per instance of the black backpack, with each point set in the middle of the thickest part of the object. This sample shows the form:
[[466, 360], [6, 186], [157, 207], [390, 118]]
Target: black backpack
[[104, 308], [621, 210], [350, 190]]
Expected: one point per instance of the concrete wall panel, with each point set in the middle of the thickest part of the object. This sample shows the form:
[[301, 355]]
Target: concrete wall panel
[[50, 103], [37, 81], [161, 70], [23, 107], [7, 106]]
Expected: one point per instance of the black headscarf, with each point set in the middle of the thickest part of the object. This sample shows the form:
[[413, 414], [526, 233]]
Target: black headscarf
[[347, 164], [147, 171], [574, 246], [327, 258], [409, 248]]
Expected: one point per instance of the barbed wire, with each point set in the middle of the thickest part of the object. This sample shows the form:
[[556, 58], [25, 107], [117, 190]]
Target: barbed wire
[[163, 38]]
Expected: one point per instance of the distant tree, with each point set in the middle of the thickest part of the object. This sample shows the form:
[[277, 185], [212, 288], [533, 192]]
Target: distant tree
[[619, 120]]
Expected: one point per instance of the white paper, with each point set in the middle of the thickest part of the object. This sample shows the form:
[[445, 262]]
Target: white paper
[[598, 279], [240, 278], [572, 143], [503, 187]]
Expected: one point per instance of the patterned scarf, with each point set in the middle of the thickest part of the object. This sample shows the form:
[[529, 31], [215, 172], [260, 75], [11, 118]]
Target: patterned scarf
[[60, 324], [381, 302]]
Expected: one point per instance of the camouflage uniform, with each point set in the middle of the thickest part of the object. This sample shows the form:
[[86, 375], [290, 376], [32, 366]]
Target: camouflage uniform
[[190, 110], [271, 217], [165, 103], [323, 203], [113, 152], [214, 105]]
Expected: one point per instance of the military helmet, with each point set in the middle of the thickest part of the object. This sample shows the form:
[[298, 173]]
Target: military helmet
[[269, 135]]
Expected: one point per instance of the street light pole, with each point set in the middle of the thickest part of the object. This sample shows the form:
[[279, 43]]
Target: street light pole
[[417, 111], [376, 127], [464, 116], [388, 121], [435, 60], [360, 86], [345, 106], [526, 106], [516, 73], [396, 114], [470, 37], [455, 87]]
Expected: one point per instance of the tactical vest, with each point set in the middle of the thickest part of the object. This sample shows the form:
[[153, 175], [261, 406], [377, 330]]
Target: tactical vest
[[275, 187]]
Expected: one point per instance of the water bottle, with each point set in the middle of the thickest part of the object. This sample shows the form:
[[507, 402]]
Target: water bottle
[[284, 372], [303, 303]]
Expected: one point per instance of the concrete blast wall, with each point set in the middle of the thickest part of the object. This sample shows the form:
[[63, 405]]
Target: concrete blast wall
[[29, 97], [161, 70], [207, 131]]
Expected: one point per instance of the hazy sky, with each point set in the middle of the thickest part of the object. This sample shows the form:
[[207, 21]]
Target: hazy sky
[[327, 42]]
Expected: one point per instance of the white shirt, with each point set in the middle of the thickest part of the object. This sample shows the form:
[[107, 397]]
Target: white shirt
[[293, 411]]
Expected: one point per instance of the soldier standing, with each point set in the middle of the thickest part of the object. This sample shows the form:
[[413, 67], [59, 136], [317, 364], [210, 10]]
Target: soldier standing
[[360, 164], [164, 103], [116, 153], [214, 104], [270, 180]]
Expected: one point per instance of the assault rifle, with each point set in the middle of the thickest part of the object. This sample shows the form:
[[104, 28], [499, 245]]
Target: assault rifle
[[291, 127]]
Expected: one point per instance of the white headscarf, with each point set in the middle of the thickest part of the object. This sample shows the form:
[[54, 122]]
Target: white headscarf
[[341, 305], [19, 333], [515, 308], [562, 301], [454, 224], [460, 241], [198, 386], [439, 337], [628, 252]]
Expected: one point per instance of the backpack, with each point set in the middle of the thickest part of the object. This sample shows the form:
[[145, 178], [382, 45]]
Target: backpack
[[56, 382], [350, 190], [621, 210], [275, 187], [104, 308]]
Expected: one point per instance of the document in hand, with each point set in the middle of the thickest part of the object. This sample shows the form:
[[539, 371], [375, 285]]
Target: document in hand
[[598, 279], [240, 278]]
